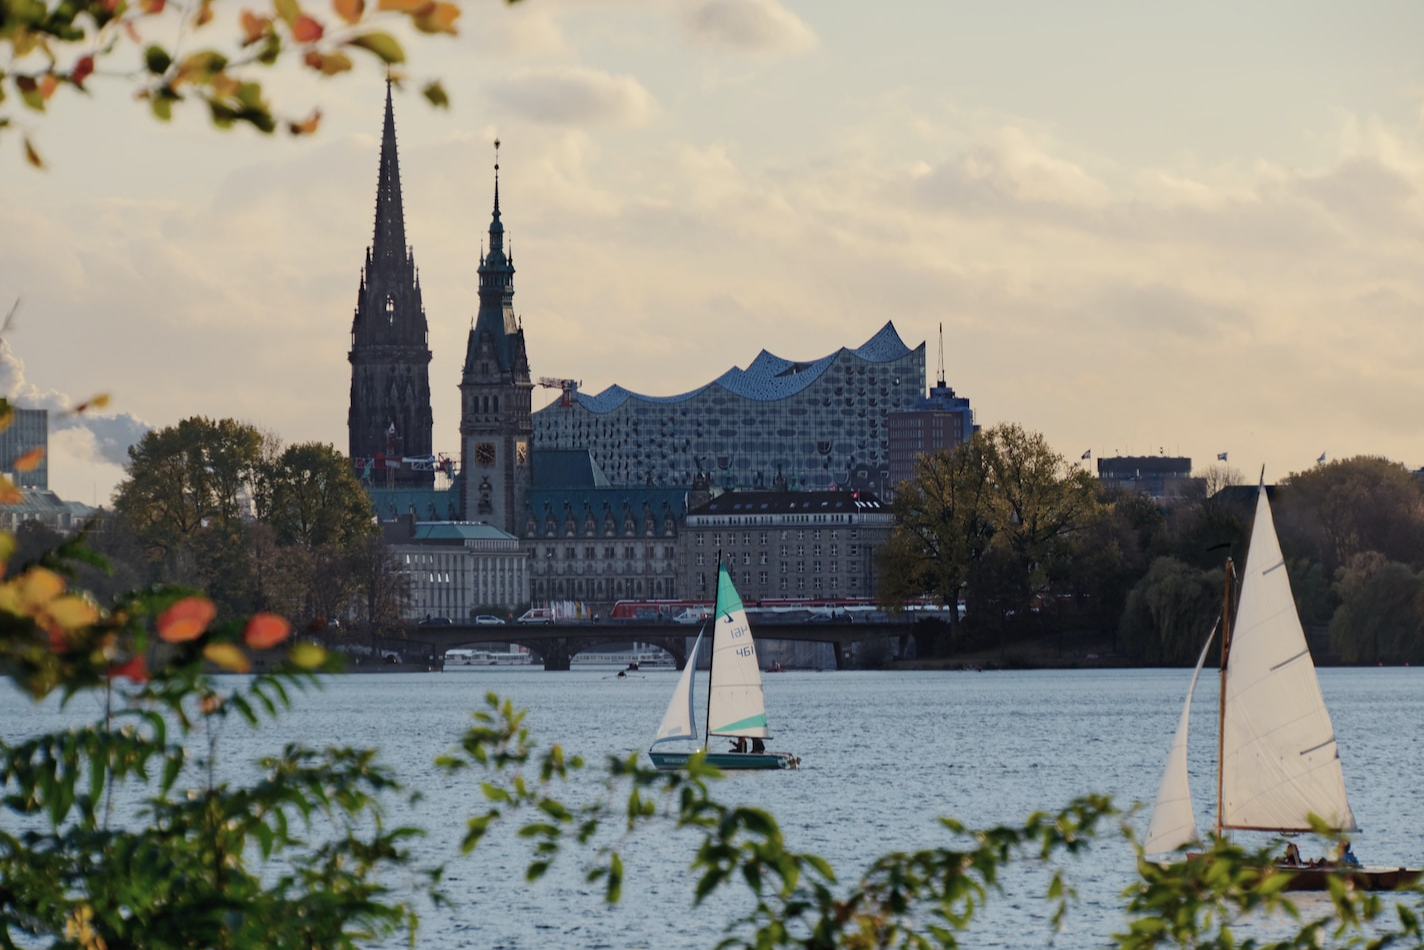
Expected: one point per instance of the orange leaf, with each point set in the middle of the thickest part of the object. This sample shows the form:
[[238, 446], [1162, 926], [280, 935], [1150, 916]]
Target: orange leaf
[[39, 586], [81, 70], [349, 10], [34, 159], [151, 6], [306, 127], [229, 657], [30, 460], [254, 27], [413, 7], [210, 703], [48, 85], [135, 669], [441, 19], [306, 30], [58, 641], [186, 620], [205, 13], [264, 631]]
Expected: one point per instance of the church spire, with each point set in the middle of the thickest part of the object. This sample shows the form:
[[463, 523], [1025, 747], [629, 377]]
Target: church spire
[[388, 243], [390, 411], [496, 319]]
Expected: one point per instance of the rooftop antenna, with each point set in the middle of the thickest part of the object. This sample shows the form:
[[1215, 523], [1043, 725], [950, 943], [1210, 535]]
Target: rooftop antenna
[[941, 356]]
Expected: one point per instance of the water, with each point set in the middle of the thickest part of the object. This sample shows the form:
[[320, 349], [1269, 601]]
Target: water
[[883, 755]]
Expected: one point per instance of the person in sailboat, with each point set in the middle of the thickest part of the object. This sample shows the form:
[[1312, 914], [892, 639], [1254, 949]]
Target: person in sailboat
[[1292, 858], [758, 745], [739, 744], [1347, 857]]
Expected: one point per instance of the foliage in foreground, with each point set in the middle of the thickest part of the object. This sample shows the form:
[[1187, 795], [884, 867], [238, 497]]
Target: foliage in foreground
[[127, 832]]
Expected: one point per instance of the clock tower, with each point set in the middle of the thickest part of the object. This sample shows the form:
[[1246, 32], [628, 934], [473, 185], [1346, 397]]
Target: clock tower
[[495, 394]]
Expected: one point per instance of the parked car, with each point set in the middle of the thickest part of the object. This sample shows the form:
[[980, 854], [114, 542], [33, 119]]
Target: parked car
[[486, 618], [436, 622], [537, 615]]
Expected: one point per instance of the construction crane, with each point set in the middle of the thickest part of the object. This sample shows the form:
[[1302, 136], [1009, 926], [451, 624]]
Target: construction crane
[[567, 386]]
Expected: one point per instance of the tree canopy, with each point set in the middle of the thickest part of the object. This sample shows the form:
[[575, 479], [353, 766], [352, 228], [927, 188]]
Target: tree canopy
[[169, 52]]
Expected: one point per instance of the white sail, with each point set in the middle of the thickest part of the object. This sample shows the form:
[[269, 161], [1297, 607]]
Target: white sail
[[680, 720], [1279, 760], [736, 706], [1174, 819]]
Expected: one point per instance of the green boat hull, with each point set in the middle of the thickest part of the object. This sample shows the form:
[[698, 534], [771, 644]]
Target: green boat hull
[[727, 761]]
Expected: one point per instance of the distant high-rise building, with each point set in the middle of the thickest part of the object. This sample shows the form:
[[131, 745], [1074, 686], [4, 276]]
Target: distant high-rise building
[[28, 430], [389, 421], [495, 394], [940, 422], [1163, 477]]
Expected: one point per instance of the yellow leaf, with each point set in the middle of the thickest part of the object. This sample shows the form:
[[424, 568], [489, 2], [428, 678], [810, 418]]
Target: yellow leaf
[[349, 10], [9, 494], [333, 63], [205, 12], [30, 460], [7, 546], [435, 94], [308, 656], [39, 586], [413, 7], [72, 612], [229, 657], [288, 10], [308, 126], [382, 44], [7, 414]]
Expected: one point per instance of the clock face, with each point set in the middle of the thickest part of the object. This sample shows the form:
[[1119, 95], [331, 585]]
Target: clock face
[[484, 454]]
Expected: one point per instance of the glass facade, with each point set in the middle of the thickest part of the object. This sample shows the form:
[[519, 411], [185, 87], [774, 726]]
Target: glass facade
[[29, 430], [777, 425]]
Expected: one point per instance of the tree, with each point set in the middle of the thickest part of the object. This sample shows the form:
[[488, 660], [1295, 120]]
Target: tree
[[1332, 512], [997, 519], [1170, 612], [1381, 615], [48, 49], [310, 497]]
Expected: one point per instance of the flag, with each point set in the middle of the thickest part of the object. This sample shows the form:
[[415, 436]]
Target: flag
[[1088, 454], [1321, 460], [1221, 456]]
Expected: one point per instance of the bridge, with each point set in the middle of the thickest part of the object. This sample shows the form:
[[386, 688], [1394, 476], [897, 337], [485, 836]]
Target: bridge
[[558, 643]]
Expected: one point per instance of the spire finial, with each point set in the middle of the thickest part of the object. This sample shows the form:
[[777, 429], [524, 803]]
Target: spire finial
[[496, 178]]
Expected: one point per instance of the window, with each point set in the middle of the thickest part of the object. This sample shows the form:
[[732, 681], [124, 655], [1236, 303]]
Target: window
[[747, 539], [761, 538], [782, 585], [701, 559], [832, 552], [570, 553], [761, 578], [628, 552], [761, 558], [815, 550], [800, 567], [800, 550], [588, 553]]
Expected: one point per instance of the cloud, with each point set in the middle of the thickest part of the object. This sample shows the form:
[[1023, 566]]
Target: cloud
[[575, 96], [1008, 169], [763, 27], [108, 437]]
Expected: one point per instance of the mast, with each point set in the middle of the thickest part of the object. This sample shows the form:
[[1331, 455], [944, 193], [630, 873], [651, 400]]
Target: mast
[[712, 658], [1221, 712], [940, 377]]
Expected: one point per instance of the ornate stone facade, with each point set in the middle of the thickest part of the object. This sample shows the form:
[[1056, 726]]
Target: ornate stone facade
[[389, 421]]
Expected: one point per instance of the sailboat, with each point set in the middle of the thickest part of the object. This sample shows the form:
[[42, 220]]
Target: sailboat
[[736, 708], [1277, 760]]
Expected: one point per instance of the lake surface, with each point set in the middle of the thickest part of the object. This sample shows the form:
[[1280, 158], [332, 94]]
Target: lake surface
[[883, 754]]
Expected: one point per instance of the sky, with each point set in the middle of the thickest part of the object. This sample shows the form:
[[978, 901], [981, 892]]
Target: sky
[[1187, 229]]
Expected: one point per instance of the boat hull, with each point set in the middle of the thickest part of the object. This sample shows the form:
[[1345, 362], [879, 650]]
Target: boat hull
[[727, 761], [1363, 878]]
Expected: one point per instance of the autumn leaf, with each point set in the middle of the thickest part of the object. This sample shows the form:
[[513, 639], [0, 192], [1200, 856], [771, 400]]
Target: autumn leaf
[[254, 27], [30, 92], [72, 612], [186, 620], [9, 494], [264, 631], [349, 10], [38, 587], [306, 30], [30, 460], [413, 7], [205, 13], [288, 10], [441, 19], [48, 85], [151, 6], [382, 44], [229, 657], [135, 669], [308, 656], [81, 71], [329, 64], [210, 703]]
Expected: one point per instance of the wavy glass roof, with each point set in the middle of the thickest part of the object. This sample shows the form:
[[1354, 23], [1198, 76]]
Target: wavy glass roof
[[768, 378]]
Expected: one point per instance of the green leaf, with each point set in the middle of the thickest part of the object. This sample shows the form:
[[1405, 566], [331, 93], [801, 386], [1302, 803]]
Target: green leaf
[[614, 889], [435, 94], [157, 59], [383, 45]]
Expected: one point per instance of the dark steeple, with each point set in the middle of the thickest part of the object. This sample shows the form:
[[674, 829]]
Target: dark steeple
[[390, 356], [496, 321], [495, 394]]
